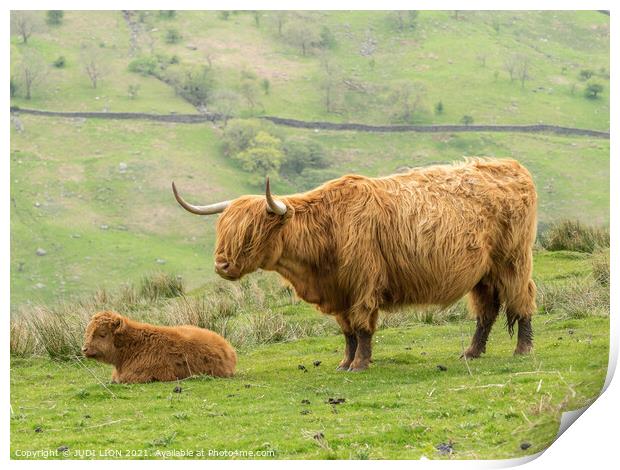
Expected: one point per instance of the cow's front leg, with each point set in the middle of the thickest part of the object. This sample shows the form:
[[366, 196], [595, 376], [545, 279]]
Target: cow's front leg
[[350, 342], [364, 330]]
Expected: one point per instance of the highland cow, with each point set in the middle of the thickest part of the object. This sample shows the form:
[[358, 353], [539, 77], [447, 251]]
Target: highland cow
[[144, 353], [356, 245]]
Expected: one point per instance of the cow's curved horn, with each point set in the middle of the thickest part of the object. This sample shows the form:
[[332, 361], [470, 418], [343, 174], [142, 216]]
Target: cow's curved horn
[[200, 210], [273, 205]]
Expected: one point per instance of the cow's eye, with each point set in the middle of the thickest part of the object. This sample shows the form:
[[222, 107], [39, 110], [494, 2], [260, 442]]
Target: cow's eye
[[102, 335]]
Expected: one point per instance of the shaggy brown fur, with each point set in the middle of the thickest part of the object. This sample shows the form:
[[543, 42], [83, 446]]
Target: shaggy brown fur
[[356, 245], [143, 353]]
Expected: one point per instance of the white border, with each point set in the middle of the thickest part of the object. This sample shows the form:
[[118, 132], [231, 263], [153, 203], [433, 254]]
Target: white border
[[592, 442]]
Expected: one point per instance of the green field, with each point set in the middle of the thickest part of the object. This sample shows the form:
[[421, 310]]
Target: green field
[[95, 195]]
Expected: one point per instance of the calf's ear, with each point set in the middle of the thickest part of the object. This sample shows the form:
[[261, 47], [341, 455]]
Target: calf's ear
[[117, 325]]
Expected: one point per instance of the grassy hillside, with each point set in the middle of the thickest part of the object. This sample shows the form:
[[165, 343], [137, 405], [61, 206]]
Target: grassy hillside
[[100, 223], [460, 61]]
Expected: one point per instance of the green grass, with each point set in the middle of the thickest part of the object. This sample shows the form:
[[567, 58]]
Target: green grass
[[402, 407]]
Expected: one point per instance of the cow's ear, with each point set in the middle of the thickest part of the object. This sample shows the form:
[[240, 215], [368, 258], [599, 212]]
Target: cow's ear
[[117, 325]]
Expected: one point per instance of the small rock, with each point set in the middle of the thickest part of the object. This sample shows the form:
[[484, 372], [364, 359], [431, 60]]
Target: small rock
[[41, 252], [316, 363], [122, 167], [76, 235], [39, 285], [335, 401], [63, 449], [104, 226], [445, 448], [191, 47], [37, 204], [160, 261], [525, 445], [442, 368], [177, 389], [570, 332]]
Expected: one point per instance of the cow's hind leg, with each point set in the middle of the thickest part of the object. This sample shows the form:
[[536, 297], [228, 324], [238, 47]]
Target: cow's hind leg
[[484, 303], [350, 341], [519, 310], [365, 326]]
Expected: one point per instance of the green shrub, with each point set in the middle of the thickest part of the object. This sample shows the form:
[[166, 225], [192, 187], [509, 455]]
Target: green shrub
[[572, 235], [60, 62], [145, 65], [593, 89], [467, 120], [54, 17], [238, 135], [303, 153], [173, 36], [195, 85]]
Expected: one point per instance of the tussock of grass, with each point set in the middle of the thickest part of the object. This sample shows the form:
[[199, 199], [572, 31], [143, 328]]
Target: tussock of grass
[[574, 299], [600, 267], [572, 235], [246, 313], [161, 285], [261, 310]]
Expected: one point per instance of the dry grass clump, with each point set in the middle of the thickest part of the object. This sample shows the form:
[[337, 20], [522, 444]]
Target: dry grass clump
[[572, 235]]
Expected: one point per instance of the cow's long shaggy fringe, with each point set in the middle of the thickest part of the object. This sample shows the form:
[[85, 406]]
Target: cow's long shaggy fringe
[[357, 244]]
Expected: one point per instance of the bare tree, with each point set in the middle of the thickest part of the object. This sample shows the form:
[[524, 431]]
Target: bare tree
[[518, 66], [510, 65], [25, 23], [227, 103], [407, 100], [523, 68], [93, 65], [32, 71], [330, 84], [303, 34], [280, 19]]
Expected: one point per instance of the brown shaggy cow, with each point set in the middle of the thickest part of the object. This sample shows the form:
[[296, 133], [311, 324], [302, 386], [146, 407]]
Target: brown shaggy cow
[[356, 245], [143, 353]]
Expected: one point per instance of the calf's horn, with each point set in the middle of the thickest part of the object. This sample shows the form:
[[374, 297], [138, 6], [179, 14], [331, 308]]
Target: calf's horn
[[273, 205], [200, 210]]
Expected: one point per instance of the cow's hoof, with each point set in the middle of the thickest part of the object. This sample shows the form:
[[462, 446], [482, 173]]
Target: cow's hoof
[[523, 349], [471, 354], [344, 364], [357, 367]]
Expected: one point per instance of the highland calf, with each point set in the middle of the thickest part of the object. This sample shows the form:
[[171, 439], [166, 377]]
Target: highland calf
[[356, 245], [143, 353]]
